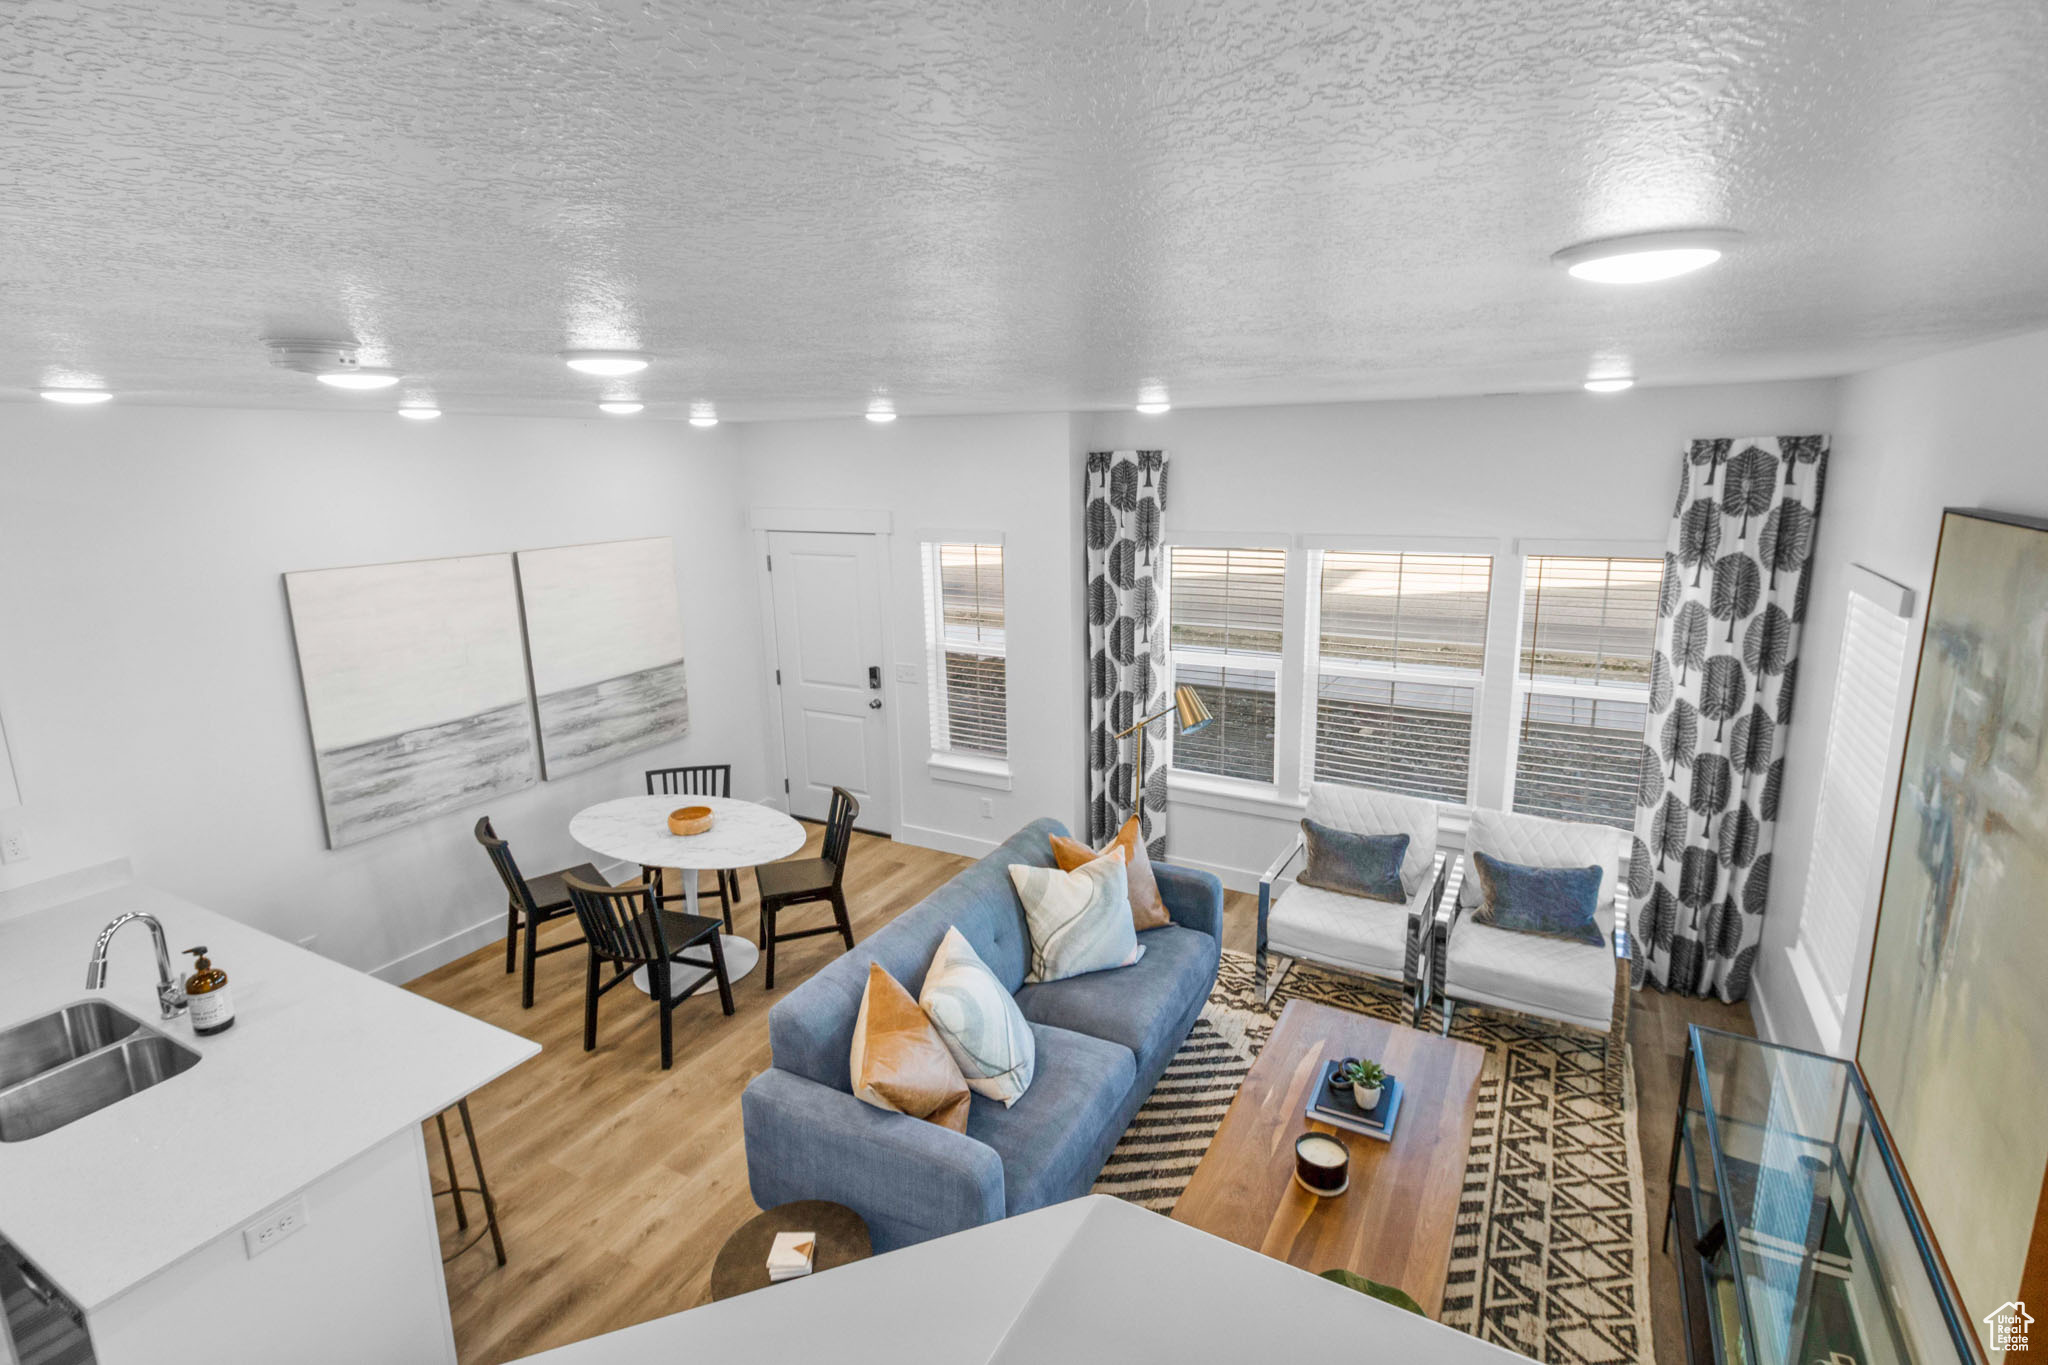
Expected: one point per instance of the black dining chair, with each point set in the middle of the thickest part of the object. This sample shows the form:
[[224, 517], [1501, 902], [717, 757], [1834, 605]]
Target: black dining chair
[[800, 881], [530, 904], [624, 927], [698, 779]]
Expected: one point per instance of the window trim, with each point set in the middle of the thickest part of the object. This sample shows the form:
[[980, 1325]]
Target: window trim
[[1188, 784], [1317, 548], [943, 761]]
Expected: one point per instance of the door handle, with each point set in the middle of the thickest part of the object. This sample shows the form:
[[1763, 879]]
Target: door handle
[[874, 703]]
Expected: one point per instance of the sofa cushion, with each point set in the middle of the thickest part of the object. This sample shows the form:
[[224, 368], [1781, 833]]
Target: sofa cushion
[[978, 1021], [1558, 902], [1362, 811], [1052, 1141], [1136, 1006], [1345, 931], [810, 1030], [1081, 920], [1367, 865], [1147, 910], [1530, 973], [1538, 841], [899, 1061]]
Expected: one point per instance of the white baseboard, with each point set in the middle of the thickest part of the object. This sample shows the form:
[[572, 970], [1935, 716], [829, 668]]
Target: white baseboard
[[946, 841], [1233, 878], [463, 942]]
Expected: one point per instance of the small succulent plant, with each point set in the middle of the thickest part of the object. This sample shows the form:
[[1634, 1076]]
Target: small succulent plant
[[1362, 1072]]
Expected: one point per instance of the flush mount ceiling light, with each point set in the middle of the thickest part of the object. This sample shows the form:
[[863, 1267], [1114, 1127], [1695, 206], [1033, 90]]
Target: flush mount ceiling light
[[621, 408], [610, 364], [881, 410], [1613, 385], [420, 414], [359, 380], [77, 398], [703, 415], [1152, 400], [1644, 257]]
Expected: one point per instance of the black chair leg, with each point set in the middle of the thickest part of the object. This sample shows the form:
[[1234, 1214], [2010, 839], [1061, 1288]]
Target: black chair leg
[[718, 969], [724, 901], [590, 1005], [732, 883], [526, 977], [767, 946], [511, 937], [657, 977], [845, 921]]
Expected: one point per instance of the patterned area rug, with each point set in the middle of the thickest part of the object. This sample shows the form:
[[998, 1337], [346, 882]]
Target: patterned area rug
[[1549, 1259]]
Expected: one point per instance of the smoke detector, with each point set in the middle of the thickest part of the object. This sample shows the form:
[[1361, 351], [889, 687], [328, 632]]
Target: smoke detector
[[308, 356]]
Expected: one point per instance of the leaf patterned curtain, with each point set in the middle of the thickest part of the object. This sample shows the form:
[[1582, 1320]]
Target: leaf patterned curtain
[[1124, 498], [1736, 574]]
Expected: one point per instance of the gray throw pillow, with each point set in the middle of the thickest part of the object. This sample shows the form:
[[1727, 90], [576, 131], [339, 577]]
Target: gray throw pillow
[[1557, 902], [1367, 865]]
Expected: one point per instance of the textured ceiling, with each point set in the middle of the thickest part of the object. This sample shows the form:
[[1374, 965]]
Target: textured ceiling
[[1000, 207]]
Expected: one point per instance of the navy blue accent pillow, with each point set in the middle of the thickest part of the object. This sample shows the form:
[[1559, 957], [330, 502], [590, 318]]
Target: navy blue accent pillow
[[1558, 902], [1366, 865]]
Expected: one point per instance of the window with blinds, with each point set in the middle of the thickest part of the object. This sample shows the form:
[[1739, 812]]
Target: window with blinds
[[1849, 818], [1589, 627], [964, 636], [1401, 648], [1224, 609]]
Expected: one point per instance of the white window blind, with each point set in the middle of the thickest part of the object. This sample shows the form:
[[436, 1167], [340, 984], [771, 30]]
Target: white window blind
[[1401, 647], [1224, 609], [1589, 626], [1849, 818], [965, 639]]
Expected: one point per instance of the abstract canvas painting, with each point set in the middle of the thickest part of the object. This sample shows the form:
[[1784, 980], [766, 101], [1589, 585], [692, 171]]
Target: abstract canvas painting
[[604, 632], [1955, 1024], [415, 686]]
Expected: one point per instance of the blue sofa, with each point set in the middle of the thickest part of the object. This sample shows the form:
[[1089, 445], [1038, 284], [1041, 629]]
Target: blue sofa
[[1103, 1041]]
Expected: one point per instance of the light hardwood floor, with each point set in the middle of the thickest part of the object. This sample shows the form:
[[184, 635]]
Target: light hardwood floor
[[616, 1182]]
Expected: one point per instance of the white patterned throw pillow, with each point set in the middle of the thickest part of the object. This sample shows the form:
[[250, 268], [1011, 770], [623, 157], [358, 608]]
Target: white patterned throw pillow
[[978, 1021], [1080, 921]]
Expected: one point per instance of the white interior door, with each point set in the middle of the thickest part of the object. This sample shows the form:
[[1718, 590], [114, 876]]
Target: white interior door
[[829, 654]]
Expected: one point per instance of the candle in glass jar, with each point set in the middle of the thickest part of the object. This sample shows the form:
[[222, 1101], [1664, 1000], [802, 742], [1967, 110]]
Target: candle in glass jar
[[1321, 1163]]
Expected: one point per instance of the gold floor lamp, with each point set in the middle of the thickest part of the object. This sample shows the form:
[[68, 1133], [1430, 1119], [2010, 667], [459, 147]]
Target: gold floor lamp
[[1193, 716]]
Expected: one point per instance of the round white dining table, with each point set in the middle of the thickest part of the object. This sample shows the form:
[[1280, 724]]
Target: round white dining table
[[634, 829]]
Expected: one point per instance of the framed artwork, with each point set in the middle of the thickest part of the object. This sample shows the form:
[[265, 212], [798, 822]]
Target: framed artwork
[[604, 634], [416, 690], [1954, 1039]]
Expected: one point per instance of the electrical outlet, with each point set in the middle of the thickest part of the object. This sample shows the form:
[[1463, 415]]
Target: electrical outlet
[[13, 844], [267, 1231], [988, 809]]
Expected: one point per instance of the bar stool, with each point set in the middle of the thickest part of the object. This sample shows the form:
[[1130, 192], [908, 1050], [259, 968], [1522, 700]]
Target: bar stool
[[455, 1189]]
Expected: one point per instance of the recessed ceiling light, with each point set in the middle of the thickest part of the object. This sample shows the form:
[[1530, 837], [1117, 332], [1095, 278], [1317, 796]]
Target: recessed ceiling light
[[620, 409], [1646, 256], [77, 398], [703, 415], [1615, 385], [420, 414], [608, 363], [357, 379], [881, 410]]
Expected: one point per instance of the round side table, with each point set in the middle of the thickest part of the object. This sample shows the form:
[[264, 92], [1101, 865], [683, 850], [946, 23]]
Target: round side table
[[742, 1263]]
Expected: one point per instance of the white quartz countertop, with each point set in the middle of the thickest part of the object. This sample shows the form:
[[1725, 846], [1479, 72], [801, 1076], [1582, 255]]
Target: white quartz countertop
[[322, 1064]]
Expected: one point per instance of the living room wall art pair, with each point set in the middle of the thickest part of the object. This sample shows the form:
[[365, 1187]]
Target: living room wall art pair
[[439, 683]]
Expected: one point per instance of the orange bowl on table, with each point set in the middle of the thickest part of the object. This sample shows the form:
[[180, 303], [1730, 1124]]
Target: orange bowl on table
[[690, 820]]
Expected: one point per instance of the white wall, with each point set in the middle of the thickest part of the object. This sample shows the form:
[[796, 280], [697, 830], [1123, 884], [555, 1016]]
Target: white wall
[[1547, 467], [1967, 428], [147, 676], [1012, 476]]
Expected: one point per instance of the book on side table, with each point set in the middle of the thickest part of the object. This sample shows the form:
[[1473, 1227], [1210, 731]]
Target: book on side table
[[1335, 1106]]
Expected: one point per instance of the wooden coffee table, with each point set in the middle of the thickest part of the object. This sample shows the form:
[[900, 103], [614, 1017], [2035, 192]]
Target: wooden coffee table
[[1394, 1223]]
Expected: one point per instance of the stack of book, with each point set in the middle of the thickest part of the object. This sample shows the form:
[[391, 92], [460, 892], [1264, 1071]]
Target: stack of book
[[791, 1255], [1335, 1106]]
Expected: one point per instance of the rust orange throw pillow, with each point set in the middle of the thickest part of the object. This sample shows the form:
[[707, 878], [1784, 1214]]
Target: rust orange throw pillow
[[899, 1061], [1147, 910]]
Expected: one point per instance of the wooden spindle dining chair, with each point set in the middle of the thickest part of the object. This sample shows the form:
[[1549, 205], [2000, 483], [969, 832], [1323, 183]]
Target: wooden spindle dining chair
[[624, 926], [697, 779], [530, 904], [802, 880]]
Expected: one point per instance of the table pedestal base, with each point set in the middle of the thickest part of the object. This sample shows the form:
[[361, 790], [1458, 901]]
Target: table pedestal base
[[741, 957]]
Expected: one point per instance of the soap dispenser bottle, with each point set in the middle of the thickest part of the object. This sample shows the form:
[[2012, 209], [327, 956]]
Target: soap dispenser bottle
[[210, 1006]]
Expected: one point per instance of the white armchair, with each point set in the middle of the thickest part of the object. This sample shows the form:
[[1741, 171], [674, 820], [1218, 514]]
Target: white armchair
[[1373, 938], [1552, 978]]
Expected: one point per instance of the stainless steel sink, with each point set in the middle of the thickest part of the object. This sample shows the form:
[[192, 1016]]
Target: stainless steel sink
[[49, 1041], [91, 1056]]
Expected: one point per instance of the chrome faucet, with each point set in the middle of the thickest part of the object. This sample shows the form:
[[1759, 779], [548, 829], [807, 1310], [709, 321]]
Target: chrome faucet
[[170, 996]]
